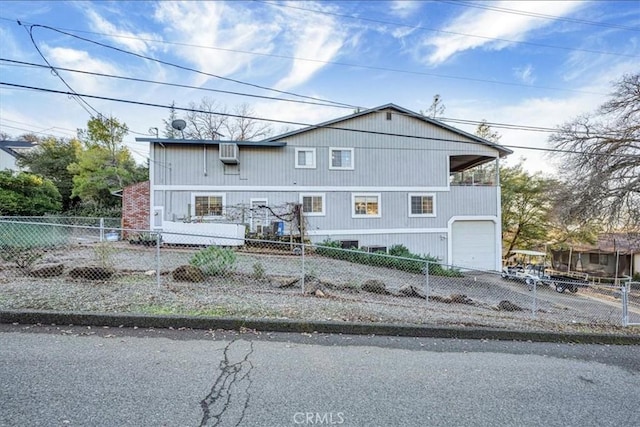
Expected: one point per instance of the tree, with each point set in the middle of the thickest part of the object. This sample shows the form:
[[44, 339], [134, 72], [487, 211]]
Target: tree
[[243, 127], [526, 207], [169, 131], [603, 159], [103, 164], [51, 159], [210, 120], [203, 120], [27, 194]]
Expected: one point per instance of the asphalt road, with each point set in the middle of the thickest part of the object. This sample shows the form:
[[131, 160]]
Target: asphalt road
[[80, 376]]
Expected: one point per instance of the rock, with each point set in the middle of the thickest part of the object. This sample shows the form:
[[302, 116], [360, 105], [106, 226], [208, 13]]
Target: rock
[[506, 305], [188, 273], [375, 286], [438, 298], [47, 270], [312, 285], [319, 293], [91, 273], [411, 291], [460, 299], [150, 273]]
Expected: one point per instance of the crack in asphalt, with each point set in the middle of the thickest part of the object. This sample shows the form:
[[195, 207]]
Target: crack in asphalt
[[228, 400]]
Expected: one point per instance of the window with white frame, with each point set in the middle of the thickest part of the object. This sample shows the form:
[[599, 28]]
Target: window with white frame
[[340, 158], [207, 205], [365, 205], [305, 158], [313, 204], [422, 205]]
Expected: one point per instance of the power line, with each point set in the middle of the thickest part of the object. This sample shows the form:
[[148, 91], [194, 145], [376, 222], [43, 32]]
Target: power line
[[539, 15], [185, 68], [419, 27], [289, 122], [135, 79], [344, 64]]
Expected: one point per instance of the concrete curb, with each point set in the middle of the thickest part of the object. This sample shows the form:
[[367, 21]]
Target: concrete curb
[[299, 326]]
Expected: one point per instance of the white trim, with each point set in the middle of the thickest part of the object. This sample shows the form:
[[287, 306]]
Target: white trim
[[305, 149], [152, 172], [353, 205], [433, 202], [375, 231], [353, 160], [498, 244], [193, 204], [324, 201], [295, 188]]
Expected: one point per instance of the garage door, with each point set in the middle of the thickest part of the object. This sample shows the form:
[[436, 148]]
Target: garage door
[[474, 244]]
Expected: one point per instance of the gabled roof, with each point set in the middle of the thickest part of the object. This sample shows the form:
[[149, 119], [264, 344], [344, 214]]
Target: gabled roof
[[331, 124]]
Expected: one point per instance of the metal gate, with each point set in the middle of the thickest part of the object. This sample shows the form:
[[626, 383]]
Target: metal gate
[[630, 310]]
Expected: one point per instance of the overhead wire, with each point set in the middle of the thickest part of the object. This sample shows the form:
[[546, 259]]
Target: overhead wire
[[290, 122], [435, 30], [461, 3]]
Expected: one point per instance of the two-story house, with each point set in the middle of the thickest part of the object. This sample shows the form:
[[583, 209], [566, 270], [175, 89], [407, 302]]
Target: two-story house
[[10, 152], [371, 179]]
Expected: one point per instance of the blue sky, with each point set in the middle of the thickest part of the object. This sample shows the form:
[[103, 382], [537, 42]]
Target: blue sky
[[535, 64]]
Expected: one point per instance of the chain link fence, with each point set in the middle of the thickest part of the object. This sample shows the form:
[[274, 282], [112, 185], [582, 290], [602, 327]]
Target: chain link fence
[[57, 266]]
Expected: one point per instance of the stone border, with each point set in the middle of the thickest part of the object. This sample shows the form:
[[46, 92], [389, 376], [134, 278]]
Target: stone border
[[297, 326]]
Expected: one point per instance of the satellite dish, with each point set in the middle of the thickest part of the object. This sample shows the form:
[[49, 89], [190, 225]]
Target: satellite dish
[[179, 124]]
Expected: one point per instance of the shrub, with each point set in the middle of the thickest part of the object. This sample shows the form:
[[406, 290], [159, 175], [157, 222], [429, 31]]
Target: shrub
[[258, 271], [399, 258], [214, 260], [23, 257]]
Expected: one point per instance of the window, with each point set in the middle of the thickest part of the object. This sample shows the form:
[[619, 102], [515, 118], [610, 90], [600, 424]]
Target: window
[[366, 205], [602, 259], [305, 158], [207, 205], [312, 204], [422, 205], [340, 158]]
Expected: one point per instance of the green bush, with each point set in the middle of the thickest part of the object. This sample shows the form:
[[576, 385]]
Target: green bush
[[214, 261], [399, 258]]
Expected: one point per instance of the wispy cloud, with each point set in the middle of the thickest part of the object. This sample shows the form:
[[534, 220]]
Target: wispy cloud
[[81, 60], [525, 74], [213, 24], [404, 8], [312, 36], [492, 25], [134, 41]]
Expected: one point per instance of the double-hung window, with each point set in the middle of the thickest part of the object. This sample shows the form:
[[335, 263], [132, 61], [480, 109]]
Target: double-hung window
[[207, 205], [365, 205], [305, 158], [422, 205], [313, 204], [341, 158]]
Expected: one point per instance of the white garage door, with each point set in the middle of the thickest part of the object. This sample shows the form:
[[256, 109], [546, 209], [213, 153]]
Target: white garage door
[[474, 244]]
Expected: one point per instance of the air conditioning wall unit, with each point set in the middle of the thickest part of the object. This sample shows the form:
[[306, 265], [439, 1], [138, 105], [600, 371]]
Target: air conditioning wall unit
[[229, 153]]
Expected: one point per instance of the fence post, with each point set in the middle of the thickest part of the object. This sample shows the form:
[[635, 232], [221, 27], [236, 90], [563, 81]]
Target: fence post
[[102, 229], [303, 266], [158, 238], [625, 304], [534, 303], [427, 291]]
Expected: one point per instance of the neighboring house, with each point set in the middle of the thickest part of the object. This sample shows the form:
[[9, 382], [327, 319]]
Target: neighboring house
[[375, 178], [613, 255], [10, 151]]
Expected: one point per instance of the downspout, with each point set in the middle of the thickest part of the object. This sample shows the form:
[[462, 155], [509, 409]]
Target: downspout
[[204, 157], [569, 263]]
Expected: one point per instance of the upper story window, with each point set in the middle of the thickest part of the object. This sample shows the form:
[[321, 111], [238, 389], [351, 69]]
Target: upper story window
[[422, 205], [305, 158], [340, 158], [207, 205], [313, 204], [365, 205]]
